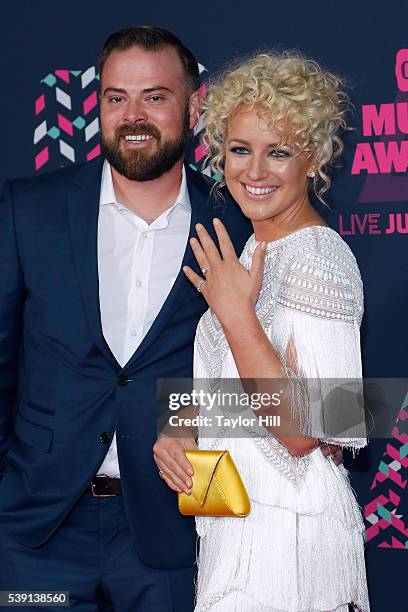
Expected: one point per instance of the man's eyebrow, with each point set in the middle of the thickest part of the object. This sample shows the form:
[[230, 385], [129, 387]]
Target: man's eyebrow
[[119, 90], [157, 88], [114, 90]]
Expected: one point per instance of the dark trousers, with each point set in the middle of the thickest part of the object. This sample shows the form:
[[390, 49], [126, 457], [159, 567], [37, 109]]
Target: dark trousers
[[92, 556]]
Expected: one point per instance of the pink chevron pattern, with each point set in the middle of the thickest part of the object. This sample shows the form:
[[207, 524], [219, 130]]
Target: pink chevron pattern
[[90, 102], [93, 152], [63, 74], [41, 158], [65, 124], [39, 104], [386, 525], [200, 151], [64, 109]]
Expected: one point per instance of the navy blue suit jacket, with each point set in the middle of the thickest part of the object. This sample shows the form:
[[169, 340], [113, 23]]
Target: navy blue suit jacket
[[50, 445]]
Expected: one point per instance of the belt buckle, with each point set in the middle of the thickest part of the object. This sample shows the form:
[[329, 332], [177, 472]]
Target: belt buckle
[[95, 494]]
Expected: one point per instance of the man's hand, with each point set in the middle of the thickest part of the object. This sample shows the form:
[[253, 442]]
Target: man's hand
[[333, 451], [174, 467]]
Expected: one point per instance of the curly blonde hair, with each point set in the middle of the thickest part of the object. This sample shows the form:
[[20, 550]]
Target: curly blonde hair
[[303, 102]]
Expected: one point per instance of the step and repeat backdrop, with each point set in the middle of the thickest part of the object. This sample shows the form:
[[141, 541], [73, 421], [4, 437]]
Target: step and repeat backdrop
[[49, 119]]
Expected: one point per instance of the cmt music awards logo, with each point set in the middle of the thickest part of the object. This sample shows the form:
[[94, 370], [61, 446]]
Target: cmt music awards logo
[[66, 127], [383, 158]]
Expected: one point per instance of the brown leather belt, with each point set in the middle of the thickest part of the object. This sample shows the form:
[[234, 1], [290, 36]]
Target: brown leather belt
[[105, 486]]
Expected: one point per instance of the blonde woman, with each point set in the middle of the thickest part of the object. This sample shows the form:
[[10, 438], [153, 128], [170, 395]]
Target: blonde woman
[[290, 306]]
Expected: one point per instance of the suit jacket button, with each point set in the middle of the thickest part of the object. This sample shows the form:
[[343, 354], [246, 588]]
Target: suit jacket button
[[122, 380], [105, 437]]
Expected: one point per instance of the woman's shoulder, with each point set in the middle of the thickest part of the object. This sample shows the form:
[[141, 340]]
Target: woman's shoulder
[[321, 240], [318, 266], [313, 241], [319, 247]]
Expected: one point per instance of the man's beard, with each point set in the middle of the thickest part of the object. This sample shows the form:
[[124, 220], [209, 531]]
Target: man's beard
[[140, 165]]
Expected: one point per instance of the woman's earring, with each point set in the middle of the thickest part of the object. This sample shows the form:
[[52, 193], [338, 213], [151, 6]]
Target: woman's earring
[[311, 174]]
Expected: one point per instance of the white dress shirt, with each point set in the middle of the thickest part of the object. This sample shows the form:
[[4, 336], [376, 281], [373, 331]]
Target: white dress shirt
[[138, 263]]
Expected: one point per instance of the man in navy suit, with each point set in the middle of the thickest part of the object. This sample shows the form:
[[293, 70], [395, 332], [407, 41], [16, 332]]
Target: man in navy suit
[[94, 308]]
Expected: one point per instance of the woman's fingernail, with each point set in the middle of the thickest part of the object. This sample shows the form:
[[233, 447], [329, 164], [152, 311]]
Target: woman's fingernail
[[216, 221], [190, 471]]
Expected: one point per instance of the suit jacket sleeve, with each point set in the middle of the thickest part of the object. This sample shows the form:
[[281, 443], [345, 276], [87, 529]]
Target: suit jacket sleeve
[[12, 294]]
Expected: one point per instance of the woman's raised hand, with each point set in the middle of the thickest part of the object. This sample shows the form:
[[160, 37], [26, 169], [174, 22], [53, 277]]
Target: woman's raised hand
[[229, 288]]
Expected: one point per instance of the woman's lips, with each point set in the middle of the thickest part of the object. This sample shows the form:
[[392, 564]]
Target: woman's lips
[[258, 192]]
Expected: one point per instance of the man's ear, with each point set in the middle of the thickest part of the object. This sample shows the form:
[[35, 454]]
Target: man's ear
[[194, 106]]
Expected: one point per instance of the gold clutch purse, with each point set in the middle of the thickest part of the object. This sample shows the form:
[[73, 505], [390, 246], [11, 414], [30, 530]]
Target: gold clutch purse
[[217, 486]]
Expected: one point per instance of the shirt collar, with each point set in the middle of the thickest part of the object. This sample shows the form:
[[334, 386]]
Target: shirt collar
[[107, 195]]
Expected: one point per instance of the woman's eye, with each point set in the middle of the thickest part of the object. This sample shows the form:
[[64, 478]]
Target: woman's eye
[[279, 153], [239, 150]]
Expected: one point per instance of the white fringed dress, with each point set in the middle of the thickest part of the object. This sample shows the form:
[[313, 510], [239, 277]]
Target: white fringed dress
[[301, 549]]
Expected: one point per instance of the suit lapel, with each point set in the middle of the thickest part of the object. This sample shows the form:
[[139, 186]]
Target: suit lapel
[[83, 212], [201, 211]]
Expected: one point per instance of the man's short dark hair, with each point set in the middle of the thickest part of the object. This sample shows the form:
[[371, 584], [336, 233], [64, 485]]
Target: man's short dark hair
[[152, 39]]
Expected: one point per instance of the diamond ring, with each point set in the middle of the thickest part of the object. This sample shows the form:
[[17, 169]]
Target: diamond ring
[[200, 284]]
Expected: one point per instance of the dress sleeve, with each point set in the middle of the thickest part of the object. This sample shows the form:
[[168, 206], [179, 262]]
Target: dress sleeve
[[316, 332]]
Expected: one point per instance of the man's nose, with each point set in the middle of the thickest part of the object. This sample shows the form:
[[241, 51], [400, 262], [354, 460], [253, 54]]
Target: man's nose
[[135, 112]]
